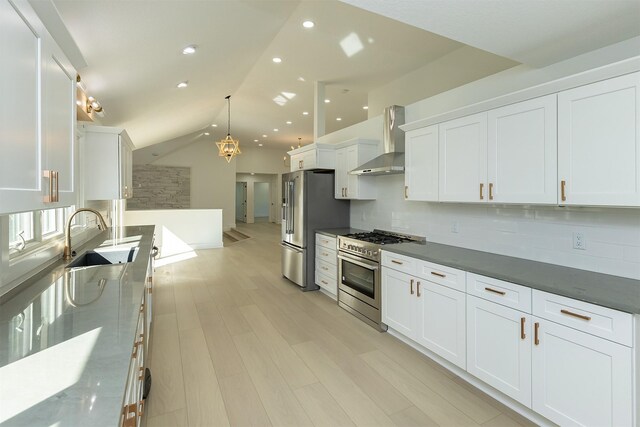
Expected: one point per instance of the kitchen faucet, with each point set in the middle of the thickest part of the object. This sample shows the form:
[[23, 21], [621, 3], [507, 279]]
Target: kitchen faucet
[[67, 230]]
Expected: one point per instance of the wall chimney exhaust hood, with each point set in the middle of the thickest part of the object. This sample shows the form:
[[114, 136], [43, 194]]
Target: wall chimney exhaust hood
[[392, 161]]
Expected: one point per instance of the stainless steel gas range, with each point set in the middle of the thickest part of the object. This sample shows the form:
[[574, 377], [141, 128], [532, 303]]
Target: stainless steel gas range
[[359, 272]]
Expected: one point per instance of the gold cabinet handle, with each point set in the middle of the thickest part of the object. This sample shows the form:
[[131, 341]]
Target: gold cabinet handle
[[563, 191], [438, 274], [324, 282], [491, 191], [536, 339], [396, 262], [418, 289], [522, 335], [141, 404], [141, 374], [56, 187], [579, 316], [495, 291], [411, 286], [406, 190], [128, 410], [324, 268], [48, 174], [481, 191]]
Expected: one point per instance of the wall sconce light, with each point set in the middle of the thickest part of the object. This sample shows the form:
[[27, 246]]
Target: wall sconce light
[[88, 104]]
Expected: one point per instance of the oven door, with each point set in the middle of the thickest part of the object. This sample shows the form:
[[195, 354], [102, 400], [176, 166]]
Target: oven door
[[360, 278]]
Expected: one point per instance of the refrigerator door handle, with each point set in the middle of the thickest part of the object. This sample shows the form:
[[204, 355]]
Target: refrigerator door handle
[[293, 207]]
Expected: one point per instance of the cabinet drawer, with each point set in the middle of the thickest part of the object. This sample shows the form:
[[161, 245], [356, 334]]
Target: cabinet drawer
[[328, 284], [328, 269], [603, 322], [499, 291], [326, 255], [445, 276], [401, 263], [326, 241]]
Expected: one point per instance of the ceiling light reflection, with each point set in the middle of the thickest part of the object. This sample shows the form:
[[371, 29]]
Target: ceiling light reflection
[[351, 45]]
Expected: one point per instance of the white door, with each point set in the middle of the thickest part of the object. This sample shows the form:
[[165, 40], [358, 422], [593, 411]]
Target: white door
[[599, 143], [522, 152], [20, 153], [441, 320], [580, 379], [341, 174], [499, 347], [59, 122], [463, 159], [399, 302], [421, 164]]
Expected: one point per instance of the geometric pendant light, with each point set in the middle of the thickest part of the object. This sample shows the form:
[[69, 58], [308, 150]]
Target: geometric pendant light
[[228, 147]]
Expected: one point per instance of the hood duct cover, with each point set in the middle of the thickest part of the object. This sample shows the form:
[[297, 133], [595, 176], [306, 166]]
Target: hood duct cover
[[392, 161]]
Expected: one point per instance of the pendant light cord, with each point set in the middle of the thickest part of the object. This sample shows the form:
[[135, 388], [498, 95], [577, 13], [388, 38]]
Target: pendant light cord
[[228, 98]]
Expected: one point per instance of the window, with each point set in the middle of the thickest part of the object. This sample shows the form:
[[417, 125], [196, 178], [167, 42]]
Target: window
[[28, 230], [21, 230]]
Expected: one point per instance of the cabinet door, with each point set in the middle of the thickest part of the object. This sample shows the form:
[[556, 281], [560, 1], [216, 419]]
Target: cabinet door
[[352, 180], [580, 379], [20, 161], [399, 302], [341, 174], [59, 120], [463, 159], [522, 152], [421, 164], [102, 158], [498, 352], [126, 170], [441, 319], [599, 143]]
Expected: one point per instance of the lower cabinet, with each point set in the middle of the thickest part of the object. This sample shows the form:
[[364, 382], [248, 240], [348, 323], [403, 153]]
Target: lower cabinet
[[499, 347], [581, 379], [326, 268]]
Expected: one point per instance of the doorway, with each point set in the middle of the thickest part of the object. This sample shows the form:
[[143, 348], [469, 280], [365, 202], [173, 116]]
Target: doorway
[[261, 202], [241, 201]]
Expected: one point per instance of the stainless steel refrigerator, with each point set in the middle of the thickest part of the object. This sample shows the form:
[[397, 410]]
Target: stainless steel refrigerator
[[307, 205]]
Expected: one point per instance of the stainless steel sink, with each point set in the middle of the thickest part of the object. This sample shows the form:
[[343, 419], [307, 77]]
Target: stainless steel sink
[[105, 256]]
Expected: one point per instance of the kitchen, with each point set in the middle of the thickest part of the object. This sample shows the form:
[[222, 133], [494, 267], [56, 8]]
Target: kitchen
[[567, 215]]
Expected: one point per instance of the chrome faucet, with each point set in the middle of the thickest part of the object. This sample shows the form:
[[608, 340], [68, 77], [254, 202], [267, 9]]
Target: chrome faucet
[[67, 230]]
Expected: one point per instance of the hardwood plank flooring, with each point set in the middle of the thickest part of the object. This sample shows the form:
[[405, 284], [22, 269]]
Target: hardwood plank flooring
[[236, 344]]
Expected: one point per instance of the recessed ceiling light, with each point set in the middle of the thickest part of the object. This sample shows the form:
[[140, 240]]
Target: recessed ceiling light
[[214, 125], [277, 60], [366, 107], [206, 133], [326, 101], [189, 50], [308, 24], [259, 145], [289, 122], [305, 113], [339, 119], [182, 84], [264, 136], [275, 129], [255, 140], [301, 79]]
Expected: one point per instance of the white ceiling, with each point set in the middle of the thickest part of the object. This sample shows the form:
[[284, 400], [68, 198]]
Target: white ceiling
[[133, 49]]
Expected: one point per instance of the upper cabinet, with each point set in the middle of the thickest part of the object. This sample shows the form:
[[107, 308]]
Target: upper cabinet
[[421, 164], [352, 154], [37, 119], [107, 163], [599, 143], [313, 156]]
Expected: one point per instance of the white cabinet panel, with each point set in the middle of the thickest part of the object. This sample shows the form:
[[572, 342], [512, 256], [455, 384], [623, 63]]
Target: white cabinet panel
[[441, 316], [499, 347], [341, 180], [580, 379], [499, 291], [398, 302], [522, 152], [421, 164], [354, 153], [463, 159], [599, 143], [20, 158]]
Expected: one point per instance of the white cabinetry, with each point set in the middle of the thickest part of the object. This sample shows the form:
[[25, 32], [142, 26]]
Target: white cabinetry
[[421, 164], [313, 156], [107, 163], [327, 264], [349, 156], [37, 121], [599, 143]]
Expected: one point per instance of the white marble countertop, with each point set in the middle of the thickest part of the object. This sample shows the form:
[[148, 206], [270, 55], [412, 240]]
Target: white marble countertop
[[66, 339]]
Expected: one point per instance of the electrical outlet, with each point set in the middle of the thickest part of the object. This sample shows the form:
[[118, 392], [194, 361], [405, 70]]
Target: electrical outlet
[[579, 241], [454, 227]]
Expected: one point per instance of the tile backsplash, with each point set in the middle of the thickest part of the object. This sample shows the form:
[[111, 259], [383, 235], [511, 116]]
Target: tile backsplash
[[540, 233]]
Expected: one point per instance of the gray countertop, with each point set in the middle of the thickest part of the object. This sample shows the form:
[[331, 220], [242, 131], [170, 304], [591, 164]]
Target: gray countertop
[[66, 339], [335, 232], [609, 291]]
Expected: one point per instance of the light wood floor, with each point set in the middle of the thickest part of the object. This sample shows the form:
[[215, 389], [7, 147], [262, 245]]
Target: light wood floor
[[236, 344]]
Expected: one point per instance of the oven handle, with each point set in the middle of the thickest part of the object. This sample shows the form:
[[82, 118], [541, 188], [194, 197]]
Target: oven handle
[[370, 265]]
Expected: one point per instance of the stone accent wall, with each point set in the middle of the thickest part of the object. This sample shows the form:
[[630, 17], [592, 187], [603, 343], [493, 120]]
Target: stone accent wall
[[160, 187]]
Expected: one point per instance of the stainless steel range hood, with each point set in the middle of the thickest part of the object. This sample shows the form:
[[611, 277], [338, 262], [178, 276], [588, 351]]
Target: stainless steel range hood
[[392, 161]]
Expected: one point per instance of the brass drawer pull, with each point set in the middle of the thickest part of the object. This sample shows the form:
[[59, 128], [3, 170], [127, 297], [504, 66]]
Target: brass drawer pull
[[325, 254], [522, 335], [495, 291], [418, 289], [491, 191], [438, 274], [579, 316], [324, 268], [563, 194], [411, 286], [396, 262], [324, 282], [481, 191], [141, 376], [536, 338], [141, 413], [406, 190]]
